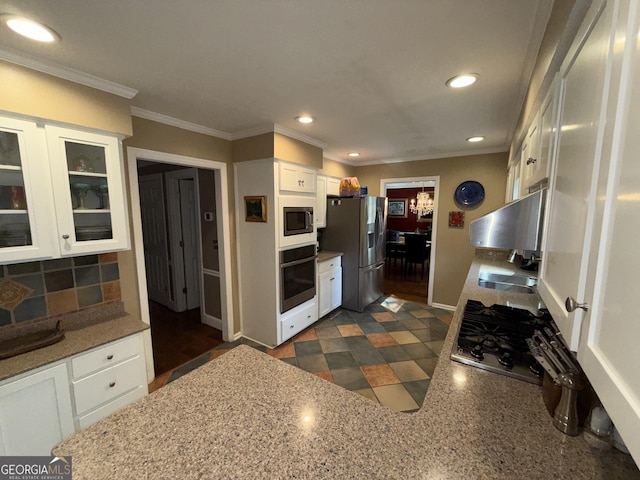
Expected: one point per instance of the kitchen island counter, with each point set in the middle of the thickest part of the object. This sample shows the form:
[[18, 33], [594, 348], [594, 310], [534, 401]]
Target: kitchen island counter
[[248, 415]]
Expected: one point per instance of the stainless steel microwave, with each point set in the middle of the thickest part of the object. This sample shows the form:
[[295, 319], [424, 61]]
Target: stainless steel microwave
[[297, 220]]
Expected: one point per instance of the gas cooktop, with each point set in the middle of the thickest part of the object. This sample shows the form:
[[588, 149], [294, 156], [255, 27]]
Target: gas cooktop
[[494, 338]]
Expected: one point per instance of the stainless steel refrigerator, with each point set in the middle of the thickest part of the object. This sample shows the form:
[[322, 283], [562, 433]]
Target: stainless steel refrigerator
[[356, 226]]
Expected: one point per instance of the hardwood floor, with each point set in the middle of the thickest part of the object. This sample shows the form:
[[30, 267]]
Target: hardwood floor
[[179, 337], [410, 285]]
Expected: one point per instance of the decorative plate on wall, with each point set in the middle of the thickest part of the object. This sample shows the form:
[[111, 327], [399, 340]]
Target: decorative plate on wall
[[469, 194]]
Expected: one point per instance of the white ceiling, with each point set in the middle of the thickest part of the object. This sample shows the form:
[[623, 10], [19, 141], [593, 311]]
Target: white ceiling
[[372, 72]]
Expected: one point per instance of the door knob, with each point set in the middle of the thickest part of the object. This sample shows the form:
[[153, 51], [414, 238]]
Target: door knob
[[65, 236], [571, 304]]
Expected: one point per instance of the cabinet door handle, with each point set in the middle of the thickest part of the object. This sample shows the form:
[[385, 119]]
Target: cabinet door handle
[[332, 279], [65, 236], [112, 384], [571, 305], [291, 326], [109, 357], [531, 160]]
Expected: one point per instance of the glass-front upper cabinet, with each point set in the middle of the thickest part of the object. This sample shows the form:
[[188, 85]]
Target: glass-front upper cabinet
[[88, 190], [27, 216]]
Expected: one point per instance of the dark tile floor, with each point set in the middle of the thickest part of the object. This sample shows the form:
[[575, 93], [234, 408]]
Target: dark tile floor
[[387, 353]]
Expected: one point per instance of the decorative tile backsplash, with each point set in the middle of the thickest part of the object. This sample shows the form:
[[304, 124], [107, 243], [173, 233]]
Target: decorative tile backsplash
[[35, 290]]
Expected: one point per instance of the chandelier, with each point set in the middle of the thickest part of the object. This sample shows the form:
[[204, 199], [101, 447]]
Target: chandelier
[[424, 204]]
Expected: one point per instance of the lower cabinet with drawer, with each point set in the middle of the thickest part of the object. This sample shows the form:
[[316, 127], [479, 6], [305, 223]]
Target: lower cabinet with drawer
[[329, 285], [297, 319], [108, 378], [42, 407]]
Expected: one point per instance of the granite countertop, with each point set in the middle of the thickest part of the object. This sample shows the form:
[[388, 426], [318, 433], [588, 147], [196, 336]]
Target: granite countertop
[[81, 334], [248, 415], [324, 255]]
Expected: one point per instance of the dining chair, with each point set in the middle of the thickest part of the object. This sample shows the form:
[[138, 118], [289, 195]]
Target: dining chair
[[417, 252]]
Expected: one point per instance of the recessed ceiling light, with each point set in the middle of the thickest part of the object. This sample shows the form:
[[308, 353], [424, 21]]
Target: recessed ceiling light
[[354, 154], [30, 29], [475, 139], [305, 119], [464, 80]]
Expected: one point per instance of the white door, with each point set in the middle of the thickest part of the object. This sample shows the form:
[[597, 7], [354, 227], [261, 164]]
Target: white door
[[190, 234], [154, 232], [584, 77], [608, 343]]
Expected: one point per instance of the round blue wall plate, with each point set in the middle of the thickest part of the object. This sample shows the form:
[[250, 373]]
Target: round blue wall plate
[[469, 193]]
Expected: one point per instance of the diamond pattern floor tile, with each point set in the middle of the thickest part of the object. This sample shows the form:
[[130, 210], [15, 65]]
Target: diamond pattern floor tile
[[387, 353]]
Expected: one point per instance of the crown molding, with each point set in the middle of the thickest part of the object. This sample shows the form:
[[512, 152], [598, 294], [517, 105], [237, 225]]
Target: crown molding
[[176, 122], [417, 158], [66, 73], [298, 136], [275, 128], [253, 132]]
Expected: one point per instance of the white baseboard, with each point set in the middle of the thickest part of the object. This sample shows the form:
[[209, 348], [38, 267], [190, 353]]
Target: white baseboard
[[238, 336], [451, 308], [212, 321]]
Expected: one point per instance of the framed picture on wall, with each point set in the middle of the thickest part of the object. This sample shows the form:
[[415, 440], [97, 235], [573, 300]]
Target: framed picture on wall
[[456, 219], [255, 209], [398, 207]]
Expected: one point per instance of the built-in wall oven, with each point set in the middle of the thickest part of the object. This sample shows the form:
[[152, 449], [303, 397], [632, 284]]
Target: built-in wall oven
[[297, 276]]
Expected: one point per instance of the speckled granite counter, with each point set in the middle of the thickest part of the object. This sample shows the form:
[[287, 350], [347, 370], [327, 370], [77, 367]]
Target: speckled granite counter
[[247, 415], [77, 339], [324, 255]]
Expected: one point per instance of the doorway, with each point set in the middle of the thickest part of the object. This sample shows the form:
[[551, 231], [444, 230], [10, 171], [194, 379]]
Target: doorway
[[177, 232], [400, 277]]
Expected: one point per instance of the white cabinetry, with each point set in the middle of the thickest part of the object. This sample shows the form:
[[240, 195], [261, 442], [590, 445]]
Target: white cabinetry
[[321, 202], [35, 411], [297, 319], [529, 156], [296, 178], [259, 247], [107, 379], [333, 187], [329, 285], [40, 408], [590, 253], [89, 191], [61, 192]]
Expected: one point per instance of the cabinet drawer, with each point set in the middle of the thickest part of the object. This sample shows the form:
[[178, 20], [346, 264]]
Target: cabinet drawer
[[106, 356], [330, 264], [111, 407], [108, 384], [298, 320]]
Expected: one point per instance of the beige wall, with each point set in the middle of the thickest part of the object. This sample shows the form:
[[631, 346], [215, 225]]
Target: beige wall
[[454, 253], [36, 94], [295, 151], [276, 145], [253, 148], [331, 168], [164, 138]]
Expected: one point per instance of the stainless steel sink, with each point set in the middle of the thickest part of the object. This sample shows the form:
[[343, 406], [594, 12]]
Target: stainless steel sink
[[509, 283]]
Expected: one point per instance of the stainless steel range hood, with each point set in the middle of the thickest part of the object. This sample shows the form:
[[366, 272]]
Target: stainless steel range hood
[[517, 225]]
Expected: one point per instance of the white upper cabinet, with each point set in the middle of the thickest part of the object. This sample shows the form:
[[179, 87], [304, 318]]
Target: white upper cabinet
[[333, 187], [582, 129], [547, 127], [590, 256], [27, 216], [296, 178], [89, 194], [608, 341], [529, 156], [61, 192], [321, 202]]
